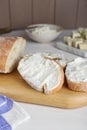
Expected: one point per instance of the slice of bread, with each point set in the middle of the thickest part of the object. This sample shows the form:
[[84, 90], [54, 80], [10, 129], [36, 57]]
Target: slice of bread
[[41, 73], [58, 57], [11, 50], [76, 75]]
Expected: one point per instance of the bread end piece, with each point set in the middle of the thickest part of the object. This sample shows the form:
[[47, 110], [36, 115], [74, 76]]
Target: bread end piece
[[11, 51]]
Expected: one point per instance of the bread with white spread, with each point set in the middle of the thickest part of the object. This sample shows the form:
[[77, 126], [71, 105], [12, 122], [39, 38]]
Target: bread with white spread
[[11, 50], [41, 73], [58, 57], [76, 74]]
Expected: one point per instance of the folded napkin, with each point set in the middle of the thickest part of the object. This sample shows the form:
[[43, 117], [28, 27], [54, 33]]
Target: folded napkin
[[11, 113]]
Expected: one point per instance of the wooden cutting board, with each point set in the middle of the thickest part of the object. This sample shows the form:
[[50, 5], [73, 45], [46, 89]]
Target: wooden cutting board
[[14, 86]]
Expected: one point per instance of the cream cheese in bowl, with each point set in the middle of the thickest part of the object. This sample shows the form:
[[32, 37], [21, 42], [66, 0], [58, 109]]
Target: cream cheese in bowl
[[43, 30], [43, 33]]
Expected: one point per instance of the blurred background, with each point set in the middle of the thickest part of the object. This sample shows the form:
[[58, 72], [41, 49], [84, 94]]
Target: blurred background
[[17, 14]]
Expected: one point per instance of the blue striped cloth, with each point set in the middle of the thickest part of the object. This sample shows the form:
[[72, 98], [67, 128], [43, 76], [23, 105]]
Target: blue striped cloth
[[11, 113], [6, 104], [4, 125]]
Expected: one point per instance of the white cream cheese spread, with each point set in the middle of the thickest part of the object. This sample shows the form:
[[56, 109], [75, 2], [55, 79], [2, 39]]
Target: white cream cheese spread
[[77, 70], [40, 72], [43, 30]]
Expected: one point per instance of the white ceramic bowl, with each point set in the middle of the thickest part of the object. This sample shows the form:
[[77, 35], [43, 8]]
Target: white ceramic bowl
[[43, 33]]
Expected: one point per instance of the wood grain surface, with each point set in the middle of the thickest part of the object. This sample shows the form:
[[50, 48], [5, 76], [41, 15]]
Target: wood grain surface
[[14, 86]]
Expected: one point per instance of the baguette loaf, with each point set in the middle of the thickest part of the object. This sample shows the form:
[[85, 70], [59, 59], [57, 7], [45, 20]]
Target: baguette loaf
[[41, 73], [76, 74], [11, 50]]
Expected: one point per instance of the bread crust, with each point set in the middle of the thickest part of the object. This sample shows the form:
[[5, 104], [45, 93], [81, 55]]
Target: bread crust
[[6, 44], [59, 86], [77, 86]]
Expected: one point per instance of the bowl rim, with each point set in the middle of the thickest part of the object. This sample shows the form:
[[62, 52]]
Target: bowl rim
[[31, 26]]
